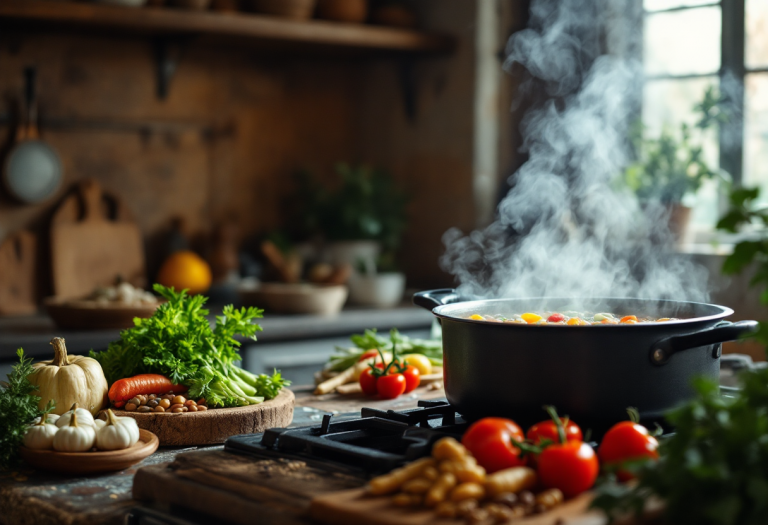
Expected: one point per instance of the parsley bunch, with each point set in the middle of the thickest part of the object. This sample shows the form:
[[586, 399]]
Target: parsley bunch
[[179, 343], [18, 407]]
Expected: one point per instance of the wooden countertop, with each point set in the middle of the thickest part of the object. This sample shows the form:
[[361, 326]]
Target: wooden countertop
[[36, 498]]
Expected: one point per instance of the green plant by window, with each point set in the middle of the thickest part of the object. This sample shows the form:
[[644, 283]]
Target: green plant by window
[[671, 166]]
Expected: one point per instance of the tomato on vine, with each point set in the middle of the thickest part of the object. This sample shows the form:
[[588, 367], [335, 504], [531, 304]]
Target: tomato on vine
[[492, 441], [627, 441], [548, 430], [390, 380]]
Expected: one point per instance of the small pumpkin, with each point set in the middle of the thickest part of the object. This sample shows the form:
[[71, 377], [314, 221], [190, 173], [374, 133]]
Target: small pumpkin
[[74, 437], [68, 379], [40, 435], [118, 433], [49, 418], [83, 416]]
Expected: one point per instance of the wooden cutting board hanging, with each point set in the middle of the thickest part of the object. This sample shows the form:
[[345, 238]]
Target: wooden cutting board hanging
[[17, 274], [94, 242]]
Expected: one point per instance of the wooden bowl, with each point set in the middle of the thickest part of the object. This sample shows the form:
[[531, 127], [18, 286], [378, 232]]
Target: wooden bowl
[[84, 315], [300, 298], [216, 424], [195, 5], [351, 11], [294, 9], [91, 462]]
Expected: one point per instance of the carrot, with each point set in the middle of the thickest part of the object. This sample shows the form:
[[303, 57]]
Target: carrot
[[124, 389]]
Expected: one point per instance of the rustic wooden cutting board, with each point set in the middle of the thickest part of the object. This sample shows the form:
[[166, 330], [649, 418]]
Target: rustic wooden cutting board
[[215, 425], [17, 274], [353, 507], [93, 241]]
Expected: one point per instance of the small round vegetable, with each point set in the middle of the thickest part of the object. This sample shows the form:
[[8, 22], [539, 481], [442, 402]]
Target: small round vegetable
[[391, 385], [571, 467], [74, 437], [368, 382], [40, 435], [490, 442], [412, 378], [555, 318], [548, 430], [627, 441], [420, 361], [369, 354], [179, 400]]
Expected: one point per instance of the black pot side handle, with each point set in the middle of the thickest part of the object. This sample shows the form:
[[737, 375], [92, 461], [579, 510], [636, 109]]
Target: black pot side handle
[[662, 350], [434, 298]]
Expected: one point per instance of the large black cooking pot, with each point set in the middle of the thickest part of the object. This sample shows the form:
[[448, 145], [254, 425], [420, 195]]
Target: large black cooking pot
[[591, 373]]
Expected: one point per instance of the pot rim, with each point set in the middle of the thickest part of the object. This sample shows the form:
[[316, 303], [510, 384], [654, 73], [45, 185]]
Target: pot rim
[[440, 312]]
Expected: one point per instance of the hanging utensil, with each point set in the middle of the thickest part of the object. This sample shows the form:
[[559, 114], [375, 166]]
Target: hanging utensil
[[32, 171]]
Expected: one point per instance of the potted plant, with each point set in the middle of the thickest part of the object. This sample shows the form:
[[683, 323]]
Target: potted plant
[[362, 222], [671, 168]]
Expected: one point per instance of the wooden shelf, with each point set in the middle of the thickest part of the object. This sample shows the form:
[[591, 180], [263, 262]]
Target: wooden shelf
[[258, 28]]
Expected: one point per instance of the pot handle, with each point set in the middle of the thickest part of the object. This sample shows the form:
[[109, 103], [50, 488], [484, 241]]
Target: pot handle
[[434, 298], [663, 349]]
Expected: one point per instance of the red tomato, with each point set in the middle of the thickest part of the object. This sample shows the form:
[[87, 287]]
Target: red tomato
[[412, 378], [368, 382], [627, 441], [571, 467], [390, 386], [490, 442], [548, 430], [555, 318], [368, 354]]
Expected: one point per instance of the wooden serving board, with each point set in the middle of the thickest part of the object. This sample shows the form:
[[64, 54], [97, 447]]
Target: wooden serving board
[[353, 507], [91, 462], [93, 241], [217, 424]]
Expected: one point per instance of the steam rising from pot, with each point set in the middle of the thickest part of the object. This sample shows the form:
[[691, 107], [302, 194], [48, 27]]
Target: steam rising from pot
[[566, 228]]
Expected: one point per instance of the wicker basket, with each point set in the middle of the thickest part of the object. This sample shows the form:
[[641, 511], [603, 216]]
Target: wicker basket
[[294, 9]]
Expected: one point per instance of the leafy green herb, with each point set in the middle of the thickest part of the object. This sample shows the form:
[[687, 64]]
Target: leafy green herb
[[370, 339], [18, 407], [714, 469], [179, 343]]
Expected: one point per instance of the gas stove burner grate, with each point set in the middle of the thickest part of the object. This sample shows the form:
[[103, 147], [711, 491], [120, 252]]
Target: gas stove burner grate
[[376, 442]]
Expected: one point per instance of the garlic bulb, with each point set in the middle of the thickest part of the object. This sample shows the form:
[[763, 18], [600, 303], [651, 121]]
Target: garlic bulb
[[74, 437], [119, 433], [84, 417], [40, 435], [49, 418]]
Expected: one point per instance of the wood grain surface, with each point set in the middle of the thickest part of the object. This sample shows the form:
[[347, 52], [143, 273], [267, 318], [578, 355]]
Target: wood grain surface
[[93, 243], [215, 425], [18, 257], [75, 463], [353, 507]]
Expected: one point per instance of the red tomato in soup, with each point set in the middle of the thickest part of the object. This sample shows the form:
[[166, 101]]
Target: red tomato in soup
[[555, 318], [548, 430], [571, 467], [627, 441], [490, 442], [390, 386], [412, 377]]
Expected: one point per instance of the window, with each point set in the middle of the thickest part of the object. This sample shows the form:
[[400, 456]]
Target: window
[[688, 46]]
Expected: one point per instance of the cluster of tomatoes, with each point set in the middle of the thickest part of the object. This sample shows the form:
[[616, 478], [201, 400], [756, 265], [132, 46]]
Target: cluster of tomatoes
[[555, 448], [390, 380]]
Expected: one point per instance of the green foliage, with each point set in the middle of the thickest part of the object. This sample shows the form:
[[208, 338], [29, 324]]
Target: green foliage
[[673, 165], [179, 343], [370, 339], [366, 206], [18, 407], [712, 471]]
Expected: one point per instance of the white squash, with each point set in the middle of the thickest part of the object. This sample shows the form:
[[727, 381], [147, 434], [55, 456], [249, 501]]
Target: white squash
[[70, 379], [74, 437], [98, 424], [83, 417], [49, 418], [118, 433], [40, 435]]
